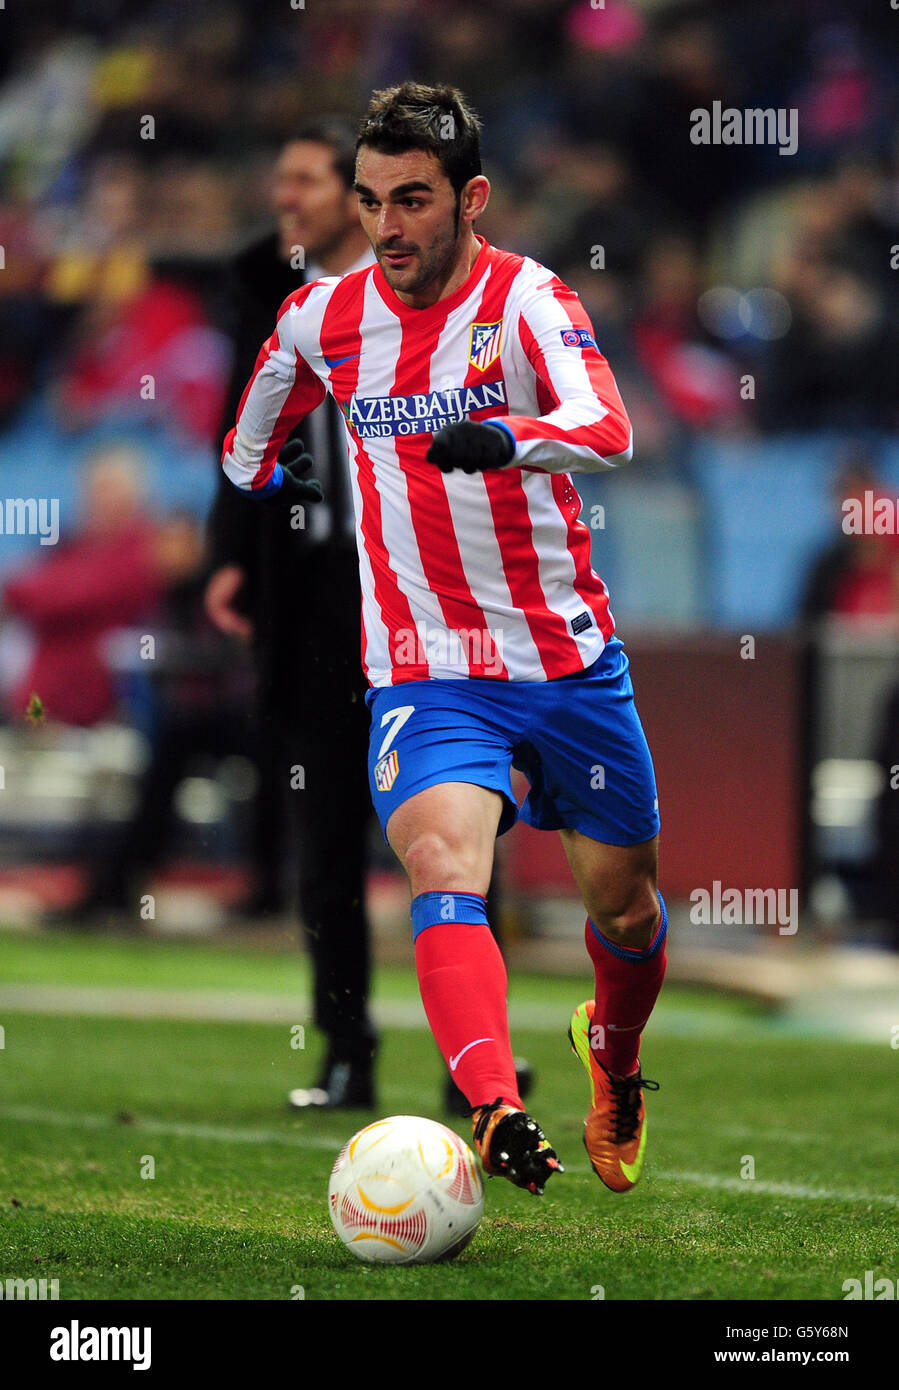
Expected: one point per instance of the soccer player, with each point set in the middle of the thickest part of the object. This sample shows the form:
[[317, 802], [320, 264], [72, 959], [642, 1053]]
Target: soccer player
[[471, 386]]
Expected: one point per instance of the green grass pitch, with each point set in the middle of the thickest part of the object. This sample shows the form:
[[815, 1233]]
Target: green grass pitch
[[236, 1209]]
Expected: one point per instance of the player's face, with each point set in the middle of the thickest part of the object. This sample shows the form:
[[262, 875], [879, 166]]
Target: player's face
[[314, 206], [407, 208]]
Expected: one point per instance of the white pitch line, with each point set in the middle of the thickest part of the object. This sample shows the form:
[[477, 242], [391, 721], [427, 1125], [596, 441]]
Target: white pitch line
[[231, 1006], [777, 1189], [28, 1114], [744, 1132]]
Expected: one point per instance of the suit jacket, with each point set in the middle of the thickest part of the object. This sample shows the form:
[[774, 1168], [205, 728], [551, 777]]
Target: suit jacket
[[292, 584]]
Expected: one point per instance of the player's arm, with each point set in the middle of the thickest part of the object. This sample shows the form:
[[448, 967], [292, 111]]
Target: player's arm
[[282, 391], [585, 427]]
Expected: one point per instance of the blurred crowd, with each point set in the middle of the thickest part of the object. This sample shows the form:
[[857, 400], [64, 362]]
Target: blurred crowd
[[136, 141], [738, 291]]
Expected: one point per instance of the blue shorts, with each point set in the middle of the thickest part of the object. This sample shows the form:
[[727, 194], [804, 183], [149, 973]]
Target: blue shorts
[[577, 739]]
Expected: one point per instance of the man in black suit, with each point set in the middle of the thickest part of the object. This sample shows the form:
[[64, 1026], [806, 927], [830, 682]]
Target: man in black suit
[[294, 593]]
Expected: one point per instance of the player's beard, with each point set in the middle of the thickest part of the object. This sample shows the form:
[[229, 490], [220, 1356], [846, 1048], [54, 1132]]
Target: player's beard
[[435, 264]]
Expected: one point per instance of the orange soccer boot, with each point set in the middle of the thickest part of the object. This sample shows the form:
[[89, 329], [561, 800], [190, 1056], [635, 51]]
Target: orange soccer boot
[[615, 1127]]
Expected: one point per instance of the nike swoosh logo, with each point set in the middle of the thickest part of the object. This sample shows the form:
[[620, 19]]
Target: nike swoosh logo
[[454, 1061], [632, 1170], [338, 361], [628, 1028]]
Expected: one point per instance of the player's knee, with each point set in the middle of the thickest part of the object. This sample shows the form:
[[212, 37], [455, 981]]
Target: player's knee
[[433, 862], [631, 920]]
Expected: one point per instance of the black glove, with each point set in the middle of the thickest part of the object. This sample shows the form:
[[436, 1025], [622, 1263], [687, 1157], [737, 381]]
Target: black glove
[[472, 447], [294, 487]]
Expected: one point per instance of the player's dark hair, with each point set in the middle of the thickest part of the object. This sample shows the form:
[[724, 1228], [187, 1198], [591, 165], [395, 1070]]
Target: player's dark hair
[[438, 119], [339, 134]]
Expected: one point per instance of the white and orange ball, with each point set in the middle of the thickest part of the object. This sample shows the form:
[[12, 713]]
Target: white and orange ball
[[405, 1190]]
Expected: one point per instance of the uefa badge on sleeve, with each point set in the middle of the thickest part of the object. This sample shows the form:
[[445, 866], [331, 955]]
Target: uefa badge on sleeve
[[578, 337], [386, 770]]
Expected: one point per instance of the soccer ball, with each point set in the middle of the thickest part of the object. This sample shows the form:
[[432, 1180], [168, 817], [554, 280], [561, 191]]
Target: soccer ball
[[405, 1191]]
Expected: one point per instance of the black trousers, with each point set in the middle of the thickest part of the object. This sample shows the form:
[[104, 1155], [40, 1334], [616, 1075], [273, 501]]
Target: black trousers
[[315, 696], [886, 863]]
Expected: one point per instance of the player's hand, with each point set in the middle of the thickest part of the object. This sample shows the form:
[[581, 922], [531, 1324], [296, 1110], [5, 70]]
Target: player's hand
[[295, 487], [473, 447], [219, 601]]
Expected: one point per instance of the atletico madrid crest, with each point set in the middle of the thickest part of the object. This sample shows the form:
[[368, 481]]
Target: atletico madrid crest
[[486, 341], [386, 770]]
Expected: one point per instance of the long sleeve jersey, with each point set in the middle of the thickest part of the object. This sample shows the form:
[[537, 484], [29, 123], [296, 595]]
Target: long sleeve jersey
[[484, 574]]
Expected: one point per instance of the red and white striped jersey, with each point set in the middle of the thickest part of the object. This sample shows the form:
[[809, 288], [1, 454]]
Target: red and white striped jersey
[[484, 574]]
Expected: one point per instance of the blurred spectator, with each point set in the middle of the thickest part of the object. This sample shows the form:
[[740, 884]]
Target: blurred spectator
[[697, 379], [857, 576], [46, 108], [25, 316], [842, 90], [593, 199], [145, 354], [885, 865], [109, 575], [689, 69], [833, 369], [202, 695], [139, 344], [855, 579]]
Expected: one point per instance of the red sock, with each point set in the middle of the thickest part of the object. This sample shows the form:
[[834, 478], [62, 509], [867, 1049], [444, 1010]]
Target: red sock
[[463, 983], [627, 986]]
